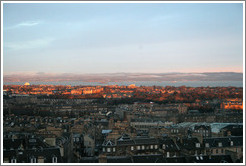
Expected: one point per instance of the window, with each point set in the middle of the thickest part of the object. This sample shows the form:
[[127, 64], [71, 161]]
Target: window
[[138, 147], [197, 145], [156, 146], [151, 146], [168, 154], [113, 149], [222, 150], [54, 159], [163, 146], [33, 160], [143, 147], [207, 145], [13, 160], [217, 151], [220, 144], [108, 149], [6, 160], [103, 149], [132, 147], [231, 143]]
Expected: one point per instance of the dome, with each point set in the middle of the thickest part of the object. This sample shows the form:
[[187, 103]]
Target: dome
[[27, 83], [132, 86]]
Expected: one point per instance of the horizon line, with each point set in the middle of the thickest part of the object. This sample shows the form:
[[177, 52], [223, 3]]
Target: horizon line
[[174, 72]]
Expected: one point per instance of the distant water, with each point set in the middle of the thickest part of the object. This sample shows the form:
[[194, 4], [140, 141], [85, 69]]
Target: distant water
[[141, 83]]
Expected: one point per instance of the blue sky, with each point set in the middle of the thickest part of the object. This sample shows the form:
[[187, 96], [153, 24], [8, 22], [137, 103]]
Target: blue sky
[[110, 38]]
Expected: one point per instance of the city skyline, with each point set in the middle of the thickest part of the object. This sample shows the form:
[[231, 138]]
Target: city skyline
[[123, 82], [133, 38]]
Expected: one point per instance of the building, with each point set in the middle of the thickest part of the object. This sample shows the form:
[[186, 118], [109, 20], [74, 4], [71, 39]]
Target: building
[[29, 148]]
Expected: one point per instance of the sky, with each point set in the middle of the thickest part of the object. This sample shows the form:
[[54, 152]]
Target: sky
[[121, 37]]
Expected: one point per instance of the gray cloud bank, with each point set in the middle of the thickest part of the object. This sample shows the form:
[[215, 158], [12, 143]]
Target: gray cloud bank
[[119, 77]]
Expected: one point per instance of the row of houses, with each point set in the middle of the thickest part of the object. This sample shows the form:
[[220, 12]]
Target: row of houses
[[174, 147]]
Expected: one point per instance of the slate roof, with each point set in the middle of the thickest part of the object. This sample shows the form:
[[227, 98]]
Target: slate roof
[[108, 143], [158, 159], [27, 146], [89, 160], [173, 160], [12, 143], [146, 158], [119, 159], [147, 141], [205, 127], [125, 142], [169, 144], [226, 141], [188, 143], [106, 131], [26, 143], [233, 126], [211, 159], [236, 129], [24, 156]]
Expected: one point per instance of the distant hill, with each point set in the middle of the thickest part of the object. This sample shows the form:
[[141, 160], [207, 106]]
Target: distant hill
[[117, 77]]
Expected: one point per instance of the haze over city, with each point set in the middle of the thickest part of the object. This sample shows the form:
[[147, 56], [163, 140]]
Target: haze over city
[[131, 38]]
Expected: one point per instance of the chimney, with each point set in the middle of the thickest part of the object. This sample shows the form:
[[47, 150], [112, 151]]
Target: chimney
[[125, 116], [40, 159], [102, 158], [181, 140]]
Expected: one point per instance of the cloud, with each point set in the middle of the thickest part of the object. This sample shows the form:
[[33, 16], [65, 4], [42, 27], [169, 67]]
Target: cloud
[[29, 23], [25, 24], [37, 43]]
